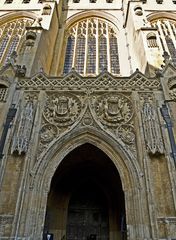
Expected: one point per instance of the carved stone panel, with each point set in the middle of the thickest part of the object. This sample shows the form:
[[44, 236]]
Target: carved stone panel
[[151, 127], [114, 109], [61, 112], [115, 112], [25, 119]]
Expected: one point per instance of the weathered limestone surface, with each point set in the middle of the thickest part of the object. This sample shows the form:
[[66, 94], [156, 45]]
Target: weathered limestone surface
[[127, 121]]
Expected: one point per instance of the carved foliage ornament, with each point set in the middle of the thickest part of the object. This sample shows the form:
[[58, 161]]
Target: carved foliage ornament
[[48, 132]]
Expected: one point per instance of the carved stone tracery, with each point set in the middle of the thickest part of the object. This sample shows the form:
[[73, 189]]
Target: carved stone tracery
[[22, 134], [152, 131]]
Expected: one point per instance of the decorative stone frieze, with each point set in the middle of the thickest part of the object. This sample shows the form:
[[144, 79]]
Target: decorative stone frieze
[[104, 81]]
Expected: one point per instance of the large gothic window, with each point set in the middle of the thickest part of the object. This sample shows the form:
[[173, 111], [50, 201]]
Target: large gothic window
[[167, 34], [11, 34], [91, 47]]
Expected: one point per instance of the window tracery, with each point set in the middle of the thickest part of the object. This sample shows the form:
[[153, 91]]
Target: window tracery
[[11, 34], [167, 35], [3, 93], [92, 47]]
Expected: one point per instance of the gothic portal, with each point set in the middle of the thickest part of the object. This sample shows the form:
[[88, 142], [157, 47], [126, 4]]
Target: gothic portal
[[86, 197], [87, 119]]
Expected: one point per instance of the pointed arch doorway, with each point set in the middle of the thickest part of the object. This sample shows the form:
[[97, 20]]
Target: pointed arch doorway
[[86, 200]]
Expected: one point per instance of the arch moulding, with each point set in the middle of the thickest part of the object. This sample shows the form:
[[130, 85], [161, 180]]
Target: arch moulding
[[154, 16], [128, 169], [85, 14], [15, 15], [44, 171]]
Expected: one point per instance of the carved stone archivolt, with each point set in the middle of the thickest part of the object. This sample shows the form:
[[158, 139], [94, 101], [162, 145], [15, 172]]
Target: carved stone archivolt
[[151, 127]]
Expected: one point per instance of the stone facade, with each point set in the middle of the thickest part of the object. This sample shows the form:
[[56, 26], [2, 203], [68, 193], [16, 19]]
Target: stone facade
[[128, 118]]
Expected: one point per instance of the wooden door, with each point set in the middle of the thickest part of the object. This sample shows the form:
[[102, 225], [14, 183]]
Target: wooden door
[[87, 216]]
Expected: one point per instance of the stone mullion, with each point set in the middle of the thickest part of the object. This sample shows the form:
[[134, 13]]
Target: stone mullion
[[108, 49], [97, 47], [86, 47], [75, 46]]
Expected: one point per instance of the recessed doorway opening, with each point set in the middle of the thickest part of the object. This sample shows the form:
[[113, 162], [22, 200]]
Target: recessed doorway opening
[[86, 200]]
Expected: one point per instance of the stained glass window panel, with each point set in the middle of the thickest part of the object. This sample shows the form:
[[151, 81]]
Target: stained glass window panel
[[95, 47], [80, 54], [12, 48], [11, 34], [102, 54], [3, 45], [114, 55], [91, 55], [69, 54]]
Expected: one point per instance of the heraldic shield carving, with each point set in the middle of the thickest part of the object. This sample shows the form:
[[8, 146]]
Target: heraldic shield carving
[[61, 110], [113, 110]]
